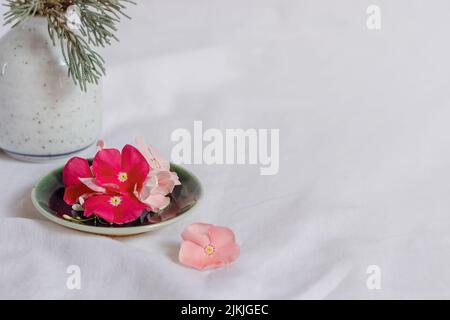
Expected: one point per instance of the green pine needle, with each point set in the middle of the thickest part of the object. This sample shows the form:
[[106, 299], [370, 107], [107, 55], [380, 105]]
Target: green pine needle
[[98, 25]]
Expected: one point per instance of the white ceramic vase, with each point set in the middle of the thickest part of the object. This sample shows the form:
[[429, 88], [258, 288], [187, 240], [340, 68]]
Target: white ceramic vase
[[43, 114]]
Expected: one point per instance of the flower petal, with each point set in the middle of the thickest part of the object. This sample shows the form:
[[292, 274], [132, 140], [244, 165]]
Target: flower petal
[[150, 184], [207, 246], [152, 155], [175, 179], [72, 193], [92, 184], [106, 165], [128, 210], [99, 205], [156, 202], [193, 255], [145, 151], [75, 168], [163, 163], [221, 236], [135, 165], [197, 233], [165, 183], [228, 253]]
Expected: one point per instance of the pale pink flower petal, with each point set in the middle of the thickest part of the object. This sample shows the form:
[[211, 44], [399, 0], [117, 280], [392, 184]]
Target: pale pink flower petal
[[156, 202], [163, 163], [149, 186], [192, 255], [175, 179], [197, 233], [169, 181], [228, 253], [221, 236], [145, 150], [160, 181], [152, 155], [92, 184]]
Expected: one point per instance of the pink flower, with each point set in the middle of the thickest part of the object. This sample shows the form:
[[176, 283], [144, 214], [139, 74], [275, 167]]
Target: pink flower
[[207, 246], [122, 172], [160, 180], [114, 208]]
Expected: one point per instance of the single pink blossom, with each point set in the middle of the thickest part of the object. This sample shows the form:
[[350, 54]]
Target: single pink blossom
[[207, 246], [123, 172], [114, 208]]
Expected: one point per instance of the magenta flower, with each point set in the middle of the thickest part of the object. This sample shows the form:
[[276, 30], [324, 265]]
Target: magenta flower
[[207, 246], [114, 208], [123, 172]]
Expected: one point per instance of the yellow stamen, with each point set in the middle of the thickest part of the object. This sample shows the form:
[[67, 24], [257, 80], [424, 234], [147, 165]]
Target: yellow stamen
[[209, 250], [122, 176], [115, 201]]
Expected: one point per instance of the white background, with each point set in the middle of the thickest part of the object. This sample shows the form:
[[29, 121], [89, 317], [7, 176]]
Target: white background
[[364, 154]]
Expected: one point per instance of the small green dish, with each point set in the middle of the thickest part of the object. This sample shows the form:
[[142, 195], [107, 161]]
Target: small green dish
[[47, 197]]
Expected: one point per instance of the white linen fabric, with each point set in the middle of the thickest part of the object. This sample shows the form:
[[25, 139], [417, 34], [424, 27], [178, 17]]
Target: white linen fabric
[[364, 173]]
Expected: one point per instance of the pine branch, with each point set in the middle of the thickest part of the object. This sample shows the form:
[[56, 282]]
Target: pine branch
[[98, 25]]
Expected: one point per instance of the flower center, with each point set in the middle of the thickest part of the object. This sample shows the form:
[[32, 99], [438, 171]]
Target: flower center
[[209, 250], [115, 201], [122, 176]]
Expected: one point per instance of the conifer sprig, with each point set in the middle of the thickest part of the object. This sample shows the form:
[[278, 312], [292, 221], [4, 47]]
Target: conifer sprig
[[98, 23]]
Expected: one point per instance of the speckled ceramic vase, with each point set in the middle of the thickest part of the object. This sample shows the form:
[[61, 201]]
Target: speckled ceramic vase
[[43, 114]]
